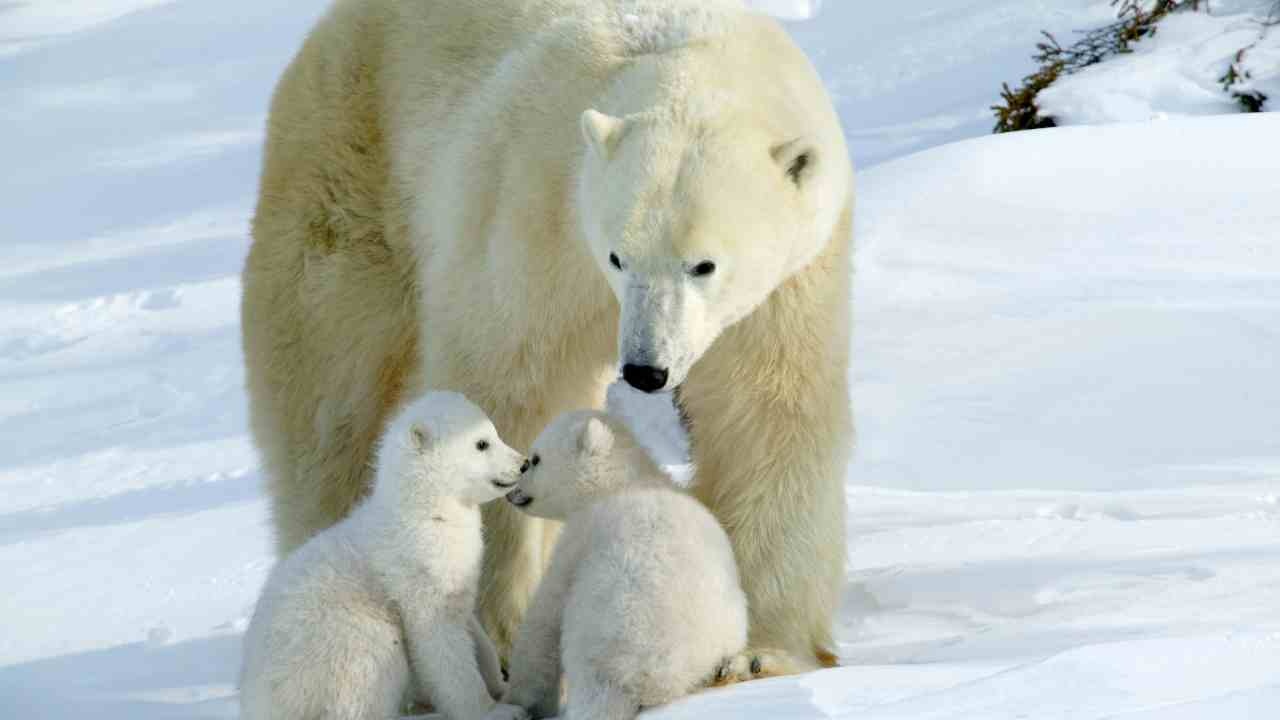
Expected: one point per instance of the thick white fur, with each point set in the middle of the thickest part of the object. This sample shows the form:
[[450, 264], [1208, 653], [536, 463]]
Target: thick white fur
[[438, 209], [641, 604], [343, 619]]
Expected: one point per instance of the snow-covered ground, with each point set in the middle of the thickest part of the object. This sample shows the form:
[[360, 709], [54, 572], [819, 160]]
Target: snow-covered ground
[[1178, 70], [1066, 495]]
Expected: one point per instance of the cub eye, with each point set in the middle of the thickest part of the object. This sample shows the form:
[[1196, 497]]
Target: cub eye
[[703, 269], [614, 261], [535, 460], [482, 445]]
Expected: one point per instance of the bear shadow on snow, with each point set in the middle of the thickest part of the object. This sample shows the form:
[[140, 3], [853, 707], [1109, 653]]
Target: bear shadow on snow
[[194, 679], [194, 495]]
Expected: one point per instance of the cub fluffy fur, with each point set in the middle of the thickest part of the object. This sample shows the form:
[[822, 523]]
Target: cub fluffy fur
[[343, 619], [641, 604], [513, 198]]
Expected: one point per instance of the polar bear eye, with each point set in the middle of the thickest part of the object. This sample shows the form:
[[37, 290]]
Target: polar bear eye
[[535, 460], [703, 269], [482, 445], [614, 261], [796, 169]]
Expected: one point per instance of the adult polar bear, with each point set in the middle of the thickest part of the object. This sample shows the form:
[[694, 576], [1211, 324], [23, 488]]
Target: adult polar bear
[[511, 198]]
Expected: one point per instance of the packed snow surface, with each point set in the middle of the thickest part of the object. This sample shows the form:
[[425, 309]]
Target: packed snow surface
[[1065, 500]]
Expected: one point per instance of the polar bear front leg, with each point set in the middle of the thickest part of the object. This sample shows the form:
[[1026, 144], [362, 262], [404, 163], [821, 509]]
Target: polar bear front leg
[[785, 518], [443, 656], [774, 477], [792, 592], [536, 660], [487, 659]]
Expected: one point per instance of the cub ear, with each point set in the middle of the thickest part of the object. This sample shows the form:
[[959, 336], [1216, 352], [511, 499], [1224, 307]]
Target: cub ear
[[602, 132], [420, 436], [596, 437], [797, 158]]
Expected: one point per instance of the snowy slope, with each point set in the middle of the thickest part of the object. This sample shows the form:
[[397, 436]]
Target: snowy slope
[[1178, 70], [1093, 308], [1065, 501], [909, 75]]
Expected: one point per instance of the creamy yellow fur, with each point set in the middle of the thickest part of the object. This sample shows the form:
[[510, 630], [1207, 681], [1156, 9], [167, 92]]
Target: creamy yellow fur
[[418, 227]]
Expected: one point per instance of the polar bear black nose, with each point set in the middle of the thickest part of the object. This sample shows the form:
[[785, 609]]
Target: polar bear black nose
[[645, 378]]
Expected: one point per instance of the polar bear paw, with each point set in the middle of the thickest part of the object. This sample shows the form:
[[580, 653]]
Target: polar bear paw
[[755, 664], [502, 711]]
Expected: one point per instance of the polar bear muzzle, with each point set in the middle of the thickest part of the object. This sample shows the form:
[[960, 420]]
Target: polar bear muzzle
[[518, 498]]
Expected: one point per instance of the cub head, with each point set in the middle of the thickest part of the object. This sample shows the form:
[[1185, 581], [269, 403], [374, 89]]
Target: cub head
[[578, 458], [443, 445], [695, 218]]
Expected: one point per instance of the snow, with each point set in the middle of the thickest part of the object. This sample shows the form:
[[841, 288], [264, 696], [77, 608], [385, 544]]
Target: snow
[[907, 76], [1081, 309], [1176, 71], [976, 605], [1065, 497], [29, 24], [788, 9]]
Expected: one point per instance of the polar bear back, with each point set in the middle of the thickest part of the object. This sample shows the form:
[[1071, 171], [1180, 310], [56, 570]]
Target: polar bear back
[[655, 601], [322, 615]]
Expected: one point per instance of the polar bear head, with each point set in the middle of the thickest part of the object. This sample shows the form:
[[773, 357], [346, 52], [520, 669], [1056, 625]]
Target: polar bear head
[[580, 457], [696, 211], [443, 445]]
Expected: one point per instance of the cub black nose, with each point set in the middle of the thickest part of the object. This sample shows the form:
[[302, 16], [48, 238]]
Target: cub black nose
[[645, 378], [524, 466]]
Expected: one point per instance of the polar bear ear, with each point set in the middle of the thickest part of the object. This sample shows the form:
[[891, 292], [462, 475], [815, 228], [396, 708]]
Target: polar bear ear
[[596, 437], [602, 132], [797, 158]]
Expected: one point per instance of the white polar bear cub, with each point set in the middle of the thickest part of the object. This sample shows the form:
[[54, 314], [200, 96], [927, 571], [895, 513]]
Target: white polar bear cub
[[343, 618], [642, 602]]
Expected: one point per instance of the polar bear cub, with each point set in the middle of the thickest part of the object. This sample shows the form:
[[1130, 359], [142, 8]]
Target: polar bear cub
[[343, 618], [642, 602]]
